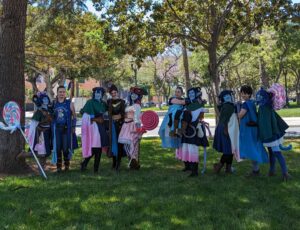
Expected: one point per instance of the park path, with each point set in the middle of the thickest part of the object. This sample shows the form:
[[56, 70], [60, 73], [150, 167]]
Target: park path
[[293, 122]]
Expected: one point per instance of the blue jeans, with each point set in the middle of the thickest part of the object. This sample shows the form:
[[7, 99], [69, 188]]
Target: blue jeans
[[62, 145]]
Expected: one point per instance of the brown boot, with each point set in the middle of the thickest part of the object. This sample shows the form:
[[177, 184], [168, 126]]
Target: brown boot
[[218, 167], [181, 131]]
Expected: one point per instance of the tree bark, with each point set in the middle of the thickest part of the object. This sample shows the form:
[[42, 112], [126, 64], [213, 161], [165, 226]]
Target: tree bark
[[264, 78], [186, 66], [12, 87], [213, 71]]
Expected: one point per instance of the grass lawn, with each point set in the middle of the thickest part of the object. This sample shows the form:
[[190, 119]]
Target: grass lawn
[[159, 196]]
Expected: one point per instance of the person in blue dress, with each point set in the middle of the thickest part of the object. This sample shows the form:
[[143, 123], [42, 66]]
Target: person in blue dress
[[171, 121], [250, 146]]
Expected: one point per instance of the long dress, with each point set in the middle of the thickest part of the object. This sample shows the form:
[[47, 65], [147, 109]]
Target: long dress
[[250, 146], [168, 141], [93, 134], [189, 151], [128, 134]]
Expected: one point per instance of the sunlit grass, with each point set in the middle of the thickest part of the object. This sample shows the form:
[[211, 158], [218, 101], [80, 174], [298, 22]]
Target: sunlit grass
[[158, 196]]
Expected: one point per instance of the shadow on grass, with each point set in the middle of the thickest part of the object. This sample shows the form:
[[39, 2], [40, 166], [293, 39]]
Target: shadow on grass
[[159, 196]]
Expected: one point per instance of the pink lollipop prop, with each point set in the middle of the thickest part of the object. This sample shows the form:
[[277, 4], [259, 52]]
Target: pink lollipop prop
[[12, 113], [12, 116], [149, 120]]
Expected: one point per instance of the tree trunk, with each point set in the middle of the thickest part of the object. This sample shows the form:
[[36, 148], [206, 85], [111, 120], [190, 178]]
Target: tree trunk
[[263, 74], [12, 88], [213, 71], [186, 66], [48, 86]]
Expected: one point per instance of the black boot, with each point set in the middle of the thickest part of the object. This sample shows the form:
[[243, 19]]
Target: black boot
[[67, 165], [84, 163], [228, 168], [186, 166], [114, 162], [97, 161], [218, 167], [194, 167], [118, 165]]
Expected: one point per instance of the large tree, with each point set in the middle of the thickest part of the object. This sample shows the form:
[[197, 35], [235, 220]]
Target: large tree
[[12, 40], [217, 26]]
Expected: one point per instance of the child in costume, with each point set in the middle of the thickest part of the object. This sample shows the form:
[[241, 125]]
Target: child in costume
[[250, 146], [116, 113], [94, 135], [129, 134], [271, 129], [226, 139], [63, 129], [39, 134], [169, 128], [193, 132]]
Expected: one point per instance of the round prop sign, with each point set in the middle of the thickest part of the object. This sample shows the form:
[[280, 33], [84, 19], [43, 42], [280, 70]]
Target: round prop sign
[[11, 113], [149, 120]]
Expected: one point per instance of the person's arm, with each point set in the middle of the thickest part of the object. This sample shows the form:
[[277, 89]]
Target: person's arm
[[177, 101], [242, 113], [72, 107]]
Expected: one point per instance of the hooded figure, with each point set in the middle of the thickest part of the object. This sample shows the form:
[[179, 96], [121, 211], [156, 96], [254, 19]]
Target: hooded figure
[[192, 131], [94, 135], [129, 135], [39, 134], [226, 139], [271, 129]]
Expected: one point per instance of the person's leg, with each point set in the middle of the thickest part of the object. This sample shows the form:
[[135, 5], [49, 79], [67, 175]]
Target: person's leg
[[187, 166], [119, 157], [47, 139], [272, 160], [84, 163], [229, 159], [194, 168], [97, 152], [66, 151], [58, 135], [281, 161], [219, 166]]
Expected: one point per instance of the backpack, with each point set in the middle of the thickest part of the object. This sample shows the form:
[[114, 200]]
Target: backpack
[[279, 96]]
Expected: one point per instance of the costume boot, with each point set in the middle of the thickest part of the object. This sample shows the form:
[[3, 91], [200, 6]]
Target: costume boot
[[218, 167], [186, 166], [58, 167], [97, 162], [194, 169], [114, 162], [67, 165], [228, 168], [84, 163]]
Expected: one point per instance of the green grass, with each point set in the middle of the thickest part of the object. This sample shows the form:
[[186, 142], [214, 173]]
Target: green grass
[[159, 196], [289, 112]]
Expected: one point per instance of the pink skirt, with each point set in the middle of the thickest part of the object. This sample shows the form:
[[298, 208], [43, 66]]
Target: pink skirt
[[127, 133], [188, 152]]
